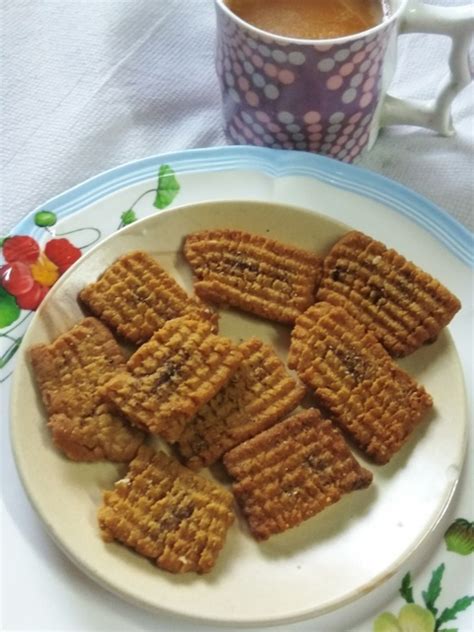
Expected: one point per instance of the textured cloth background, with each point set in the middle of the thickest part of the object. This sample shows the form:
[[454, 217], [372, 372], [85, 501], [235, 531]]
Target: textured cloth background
[[90, 84], [87, 85]]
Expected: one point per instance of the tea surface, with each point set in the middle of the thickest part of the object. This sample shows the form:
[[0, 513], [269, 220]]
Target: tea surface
[[310, 19]]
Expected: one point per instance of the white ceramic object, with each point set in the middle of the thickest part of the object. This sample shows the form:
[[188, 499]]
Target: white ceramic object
[[458, 24], [339, 555]]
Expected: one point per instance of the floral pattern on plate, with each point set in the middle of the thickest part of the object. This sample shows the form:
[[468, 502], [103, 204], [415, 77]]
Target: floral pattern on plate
[[412, 617], [30, 266]]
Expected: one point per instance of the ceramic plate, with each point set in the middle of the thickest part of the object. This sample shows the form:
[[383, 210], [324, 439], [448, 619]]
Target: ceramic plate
[[348, 549]]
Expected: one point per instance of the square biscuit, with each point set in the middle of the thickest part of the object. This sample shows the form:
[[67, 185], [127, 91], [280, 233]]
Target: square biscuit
[[352, 376], [403, 306], [69, 373], [135, 296], [291, 472], [167, 513], [171, 376], [253, 273], [260, 393]]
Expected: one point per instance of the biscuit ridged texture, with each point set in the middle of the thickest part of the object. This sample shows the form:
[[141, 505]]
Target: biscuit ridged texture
[[167, 513], [172, 375], [292, 471], [259, 394], [69, 373], [135, 296], [403, 306], [356, 380], [256, 274]]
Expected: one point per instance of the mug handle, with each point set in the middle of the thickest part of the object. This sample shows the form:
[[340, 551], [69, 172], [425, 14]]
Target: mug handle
[[458, 24]]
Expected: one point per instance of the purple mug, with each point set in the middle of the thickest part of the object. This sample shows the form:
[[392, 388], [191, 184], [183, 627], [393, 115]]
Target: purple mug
[[330, 96]]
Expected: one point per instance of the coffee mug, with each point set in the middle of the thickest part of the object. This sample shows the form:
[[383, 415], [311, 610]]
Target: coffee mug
[[330, 96]]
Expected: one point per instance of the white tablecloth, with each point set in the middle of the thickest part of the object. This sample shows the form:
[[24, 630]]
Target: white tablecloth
[[90, 84]]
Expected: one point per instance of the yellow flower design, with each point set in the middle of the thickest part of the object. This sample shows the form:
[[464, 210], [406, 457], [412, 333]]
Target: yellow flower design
[[411, 618], [44, 271]]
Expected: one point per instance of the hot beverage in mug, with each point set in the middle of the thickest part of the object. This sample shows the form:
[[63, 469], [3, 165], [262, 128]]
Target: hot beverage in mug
[[314, 74], [310, 19]]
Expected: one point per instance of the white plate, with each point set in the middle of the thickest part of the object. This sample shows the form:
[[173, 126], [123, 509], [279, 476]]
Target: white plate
[[337, 556], [380, 207]]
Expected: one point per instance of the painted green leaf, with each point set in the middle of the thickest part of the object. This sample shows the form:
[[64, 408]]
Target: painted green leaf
[[434, 589], [9, 310], [9, 353], [2, 241], [449, 614], [459, 537], [45, 218], [414, 618], [128, 217], [168, 187], [386, 622], [406, 589]]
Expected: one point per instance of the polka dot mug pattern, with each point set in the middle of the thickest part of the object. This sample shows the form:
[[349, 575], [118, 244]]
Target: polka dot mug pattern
[[329, 96]]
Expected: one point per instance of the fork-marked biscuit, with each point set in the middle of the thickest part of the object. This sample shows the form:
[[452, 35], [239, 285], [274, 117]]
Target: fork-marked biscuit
[[69, 372], [259, 394], [167, 513], [135, 296], [402, 305], [172, 375], [254, 273], [373, 400], [292, 471]]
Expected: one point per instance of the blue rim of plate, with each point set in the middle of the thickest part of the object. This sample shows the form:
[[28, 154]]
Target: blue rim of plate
[[275, 163]]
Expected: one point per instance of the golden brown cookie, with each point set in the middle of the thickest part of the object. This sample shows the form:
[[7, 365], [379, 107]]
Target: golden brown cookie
[[403, 306], [167, 513], [69, 373], [259, 394], [254, 273], [135, 296], [292, 471], [374, 401], [172, 375]]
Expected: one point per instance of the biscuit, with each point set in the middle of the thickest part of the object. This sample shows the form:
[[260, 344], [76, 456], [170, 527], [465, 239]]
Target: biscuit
[[135, 296], [403, 306], [352, 376], [69, 373], [254, 273], [167, 513], [291, 472], [172, 375], [259, 394]]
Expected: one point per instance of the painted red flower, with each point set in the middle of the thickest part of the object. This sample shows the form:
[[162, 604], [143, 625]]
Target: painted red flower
[[28, 273], [62, 253], [21, 248], [32, 298], [16, 278]]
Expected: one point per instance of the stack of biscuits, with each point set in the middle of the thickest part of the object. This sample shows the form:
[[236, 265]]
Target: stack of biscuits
[[212, 400]]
